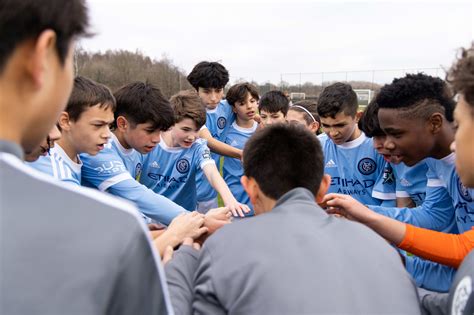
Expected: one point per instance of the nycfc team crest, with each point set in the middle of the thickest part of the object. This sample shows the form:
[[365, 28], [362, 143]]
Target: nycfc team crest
[[221, 122], [182, 166], [464, 192], [366, 166]]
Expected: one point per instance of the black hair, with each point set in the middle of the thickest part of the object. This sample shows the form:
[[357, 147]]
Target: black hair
[[369, 121], [282, 157], [142, 102], [461, 75], [208, 75], [87, 93], [22, 20], [273, 102], [420, 95], [336, 98], [238, 93]]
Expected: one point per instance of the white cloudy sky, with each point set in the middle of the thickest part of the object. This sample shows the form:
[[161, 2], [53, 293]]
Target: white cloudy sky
[[266, 40]]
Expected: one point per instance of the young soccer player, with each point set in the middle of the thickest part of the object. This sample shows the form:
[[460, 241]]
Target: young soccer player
[[84, 127], [408, 183], [350, 158], [171, 167], [420, 107], [273, 107], [209, 80], [304, 112], [243, 98]]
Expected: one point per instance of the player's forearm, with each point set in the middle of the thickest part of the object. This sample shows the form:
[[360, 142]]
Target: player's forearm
[[390, 229], [224, 149], [218, 183], [168, 238]]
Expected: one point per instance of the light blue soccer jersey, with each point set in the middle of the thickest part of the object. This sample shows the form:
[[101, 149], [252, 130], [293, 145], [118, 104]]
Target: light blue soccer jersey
[[218, 121], [171, 171], [443, 173], [411, 181], [117, 171], [354, 167], [385, 187], [59, 165], [232, 169]]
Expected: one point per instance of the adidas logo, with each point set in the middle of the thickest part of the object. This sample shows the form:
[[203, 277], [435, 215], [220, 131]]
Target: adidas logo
[[331, 163], [155, 164], [404, 182]]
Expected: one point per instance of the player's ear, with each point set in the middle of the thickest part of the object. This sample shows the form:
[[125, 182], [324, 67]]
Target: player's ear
[[64, 121], [122, 123], [251, 187], [323, 188]]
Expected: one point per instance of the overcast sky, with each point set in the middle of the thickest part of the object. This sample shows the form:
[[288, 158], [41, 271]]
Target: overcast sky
[[267, 40]]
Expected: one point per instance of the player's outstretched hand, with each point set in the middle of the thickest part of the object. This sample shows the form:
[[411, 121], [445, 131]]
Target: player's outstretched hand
[[238, 209], [188, 225], [348, 207], [217, 218]]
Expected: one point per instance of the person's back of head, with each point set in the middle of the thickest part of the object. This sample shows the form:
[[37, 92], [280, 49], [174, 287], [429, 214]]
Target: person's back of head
[[142, 102], [207, 75], [337, 98], [188, 104], [37, 41], [239, 92], [274, 102], [417, 95], [283, 157]]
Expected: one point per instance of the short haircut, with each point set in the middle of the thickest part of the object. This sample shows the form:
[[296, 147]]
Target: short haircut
[[282, 157], [273, 102], [337, 98], [142, 102], [310, 106], [461, 75], [238, 93], [22, 20], [188, 104], [87, 93], [208, 75], [417, 95], [369, 121]]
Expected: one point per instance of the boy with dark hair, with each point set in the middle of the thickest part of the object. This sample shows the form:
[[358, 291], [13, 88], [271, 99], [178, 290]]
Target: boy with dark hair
[[283, 193], [142, 114], [243, 98], [349, 156], [209, 80], [170, 168], [408, 183], [84, 128], [61, 271], [305, 112], [414, 107], [273, 107]]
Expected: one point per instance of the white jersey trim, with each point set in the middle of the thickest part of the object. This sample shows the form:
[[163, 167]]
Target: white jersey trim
[[115, 140], [245, 130], [354, 143], [206, 162], [402, 194], [434, 182], [450, 159], [383, 196], [106, 184], [169, 149]]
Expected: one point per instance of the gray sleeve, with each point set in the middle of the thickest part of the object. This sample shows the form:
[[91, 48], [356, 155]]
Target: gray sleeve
[[205, 295], [138, 287], [180, 275]]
